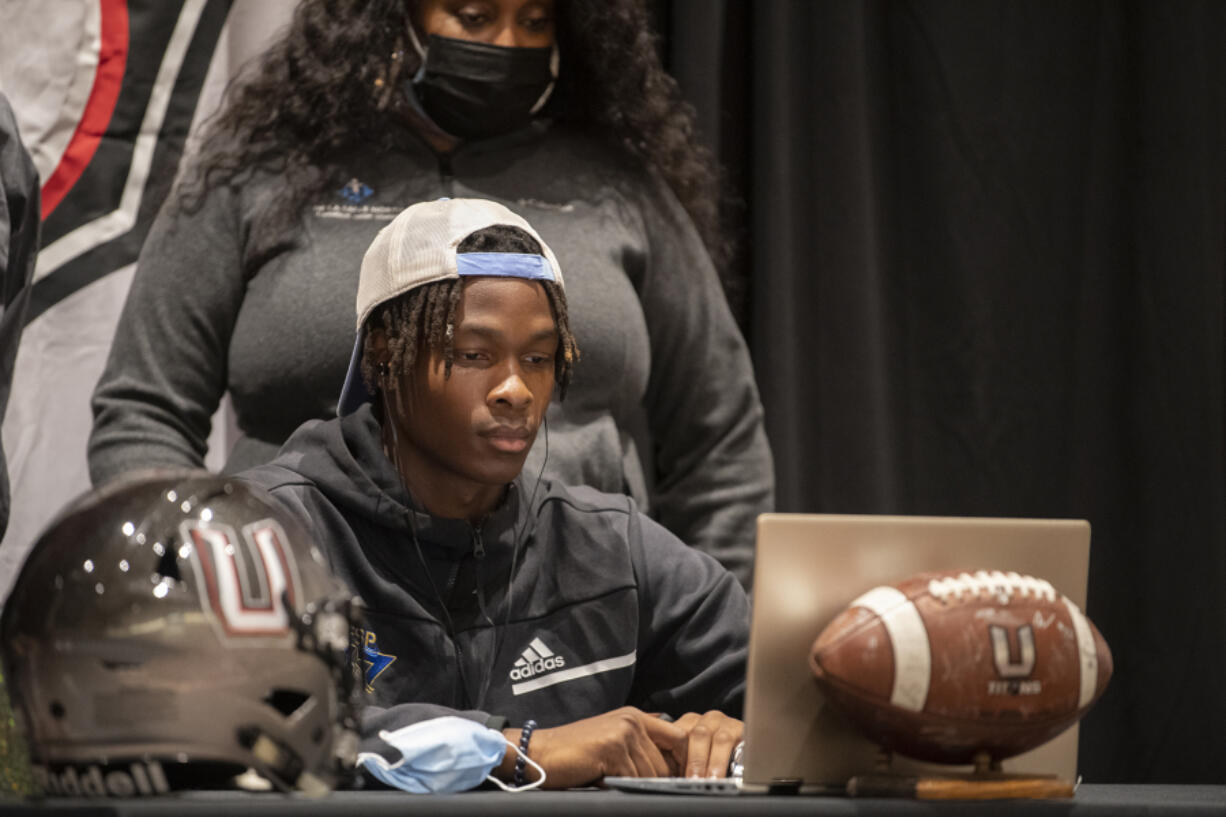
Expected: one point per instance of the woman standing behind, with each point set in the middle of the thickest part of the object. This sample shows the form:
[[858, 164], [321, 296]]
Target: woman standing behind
[[560, 111]]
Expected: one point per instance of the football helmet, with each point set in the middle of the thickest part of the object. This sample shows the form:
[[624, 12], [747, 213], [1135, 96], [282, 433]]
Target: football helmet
[[180, 630]]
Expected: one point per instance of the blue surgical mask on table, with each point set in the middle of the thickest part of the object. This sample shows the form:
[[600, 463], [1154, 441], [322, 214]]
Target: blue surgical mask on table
[[473, 89], [443, 755]]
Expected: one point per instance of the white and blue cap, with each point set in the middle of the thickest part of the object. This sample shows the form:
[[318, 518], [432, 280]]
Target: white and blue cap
[[418, 247]]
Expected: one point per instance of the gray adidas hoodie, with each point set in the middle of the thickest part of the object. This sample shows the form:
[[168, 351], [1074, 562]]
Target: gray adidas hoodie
[[563, 604]]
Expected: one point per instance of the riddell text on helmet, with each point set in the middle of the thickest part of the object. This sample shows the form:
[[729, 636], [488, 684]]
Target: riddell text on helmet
[[537, 667], [140, 779]]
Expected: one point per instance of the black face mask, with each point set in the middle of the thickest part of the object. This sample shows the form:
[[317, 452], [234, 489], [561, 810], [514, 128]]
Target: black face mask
[[475, 89]]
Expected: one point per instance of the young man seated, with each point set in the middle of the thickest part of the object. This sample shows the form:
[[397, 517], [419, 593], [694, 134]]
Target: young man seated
[[514, 626]]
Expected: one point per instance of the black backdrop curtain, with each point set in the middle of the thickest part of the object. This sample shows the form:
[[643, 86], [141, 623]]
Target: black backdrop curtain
[[983, 264]]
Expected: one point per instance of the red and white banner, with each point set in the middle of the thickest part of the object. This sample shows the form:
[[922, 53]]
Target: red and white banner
[[105, 93]]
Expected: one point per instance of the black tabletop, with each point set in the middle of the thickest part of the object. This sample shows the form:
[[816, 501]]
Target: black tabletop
[[1089, 800]]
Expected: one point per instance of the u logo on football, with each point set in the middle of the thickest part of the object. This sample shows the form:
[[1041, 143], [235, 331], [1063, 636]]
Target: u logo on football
[[1007, 666], [243, 578]]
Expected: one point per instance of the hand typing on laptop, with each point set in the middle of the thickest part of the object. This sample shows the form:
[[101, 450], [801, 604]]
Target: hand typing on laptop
[[631, 743], [711, 740]]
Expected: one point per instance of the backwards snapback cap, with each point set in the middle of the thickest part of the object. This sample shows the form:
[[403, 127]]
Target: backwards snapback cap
[[418, 247]]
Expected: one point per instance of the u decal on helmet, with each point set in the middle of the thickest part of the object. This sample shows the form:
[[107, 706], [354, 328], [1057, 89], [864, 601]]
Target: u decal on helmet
[[244, 580]]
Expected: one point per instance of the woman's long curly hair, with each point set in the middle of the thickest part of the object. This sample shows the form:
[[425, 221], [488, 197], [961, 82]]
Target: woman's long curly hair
[[314, 96]]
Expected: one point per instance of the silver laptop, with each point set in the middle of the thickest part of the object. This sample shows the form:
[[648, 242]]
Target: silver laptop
[[807, 569]]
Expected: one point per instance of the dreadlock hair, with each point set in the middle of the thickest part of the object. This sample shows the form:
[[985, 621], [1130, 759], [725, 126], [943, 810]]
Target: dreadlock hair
[[426, 315]]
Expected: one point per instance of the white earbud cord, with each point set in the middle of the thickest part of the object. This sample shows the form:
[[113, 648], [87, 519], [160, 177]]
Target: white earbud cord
[[515, 546], [438, 597]]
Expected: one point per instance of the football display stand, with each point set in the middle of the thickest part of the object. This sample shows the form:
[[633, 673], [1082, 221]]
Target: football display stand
[[986, 782]]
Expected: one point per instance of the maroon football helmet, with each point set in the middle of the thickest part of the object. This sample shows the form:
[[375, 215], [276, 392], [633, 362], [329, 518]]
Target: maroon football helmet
[[180, 630]]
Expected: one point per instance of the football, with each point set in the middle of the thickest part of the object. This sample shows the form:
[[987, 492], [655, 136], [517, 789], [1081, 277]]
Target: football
[[946, 666]]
